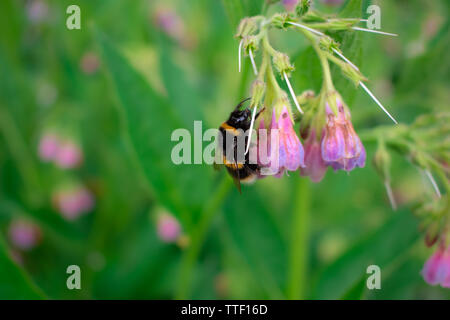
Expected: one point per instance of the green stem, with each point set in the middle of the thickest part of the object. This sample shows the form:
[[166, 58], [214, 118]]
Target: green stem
[[197, 238], [298, 253], [20, 153]]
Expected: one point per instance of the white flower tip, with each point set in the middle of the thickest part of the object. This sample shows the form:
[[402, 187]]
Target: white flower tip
[[377, 101], [294, 97], [255, 70], [375, 31], [390, 195], [433, 183]]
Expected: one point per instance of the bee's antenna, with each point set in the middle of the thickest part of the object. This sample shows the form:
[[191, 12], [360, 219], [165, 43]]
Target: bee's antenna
[[240, 103]]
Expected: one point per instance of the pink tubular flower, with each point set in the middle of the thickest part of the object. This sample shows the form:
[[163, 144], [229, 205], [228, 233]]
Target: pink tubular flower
[[341, 146], [69, 155], [315, 166], [48, 147], [290, 154], [24, 234], [73, 202], [437, 268], [168, 228]]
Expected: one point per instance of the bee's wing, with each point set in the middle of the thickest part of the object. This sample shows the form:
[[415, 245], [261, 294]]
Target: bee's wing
[[237, 180]]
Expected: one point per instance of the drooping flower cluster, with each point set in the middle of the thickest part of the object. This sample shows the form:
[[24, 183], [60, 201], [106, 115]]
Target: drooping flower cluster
[[341, 147], [64, 152]]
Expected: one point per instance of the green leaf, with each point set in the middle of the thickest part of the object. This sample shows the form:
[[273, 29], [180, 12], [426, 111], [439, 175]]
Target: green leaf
[[180, 90], [14, 282], [309, 74], [381, 248], [258, 239], [357, 291], [150, 121], [352, 9], [235, 11], [352, 48]]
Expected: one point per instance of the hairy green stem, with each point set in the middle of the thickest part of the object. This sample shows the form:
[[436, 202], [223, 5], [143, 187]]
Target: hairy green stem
[[298, 252], [198, 236]]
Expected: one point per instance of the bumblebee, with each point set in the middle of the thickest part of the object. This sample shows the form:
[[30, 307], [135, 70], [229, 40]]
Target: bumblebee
[[231, 136]]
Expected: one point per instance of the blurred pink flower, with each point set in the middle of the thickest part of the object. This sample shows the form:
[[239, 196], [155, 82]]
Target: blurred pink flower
[[289, 5], [48, 147], [37, 11], [169, 228], [73, 202], [89, 63], [437, 268], [24, 235], [69, 155]]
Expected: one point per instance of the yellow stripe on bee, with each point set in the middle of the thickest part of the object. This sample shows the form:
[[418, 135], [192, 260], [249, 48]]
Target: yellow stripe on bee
[[233, 130], [232, 164]]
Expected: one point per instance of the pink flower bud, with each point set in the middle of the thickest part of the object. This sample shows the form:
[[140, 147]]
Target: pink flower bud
[[69, 155], [169, 228], [24, 234], [437, 268], [315, 166], [48, 147]]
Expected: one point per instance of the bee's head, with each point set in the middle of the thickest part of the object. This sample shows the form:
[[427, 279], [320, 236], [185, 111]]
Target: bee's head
[[240, 118]]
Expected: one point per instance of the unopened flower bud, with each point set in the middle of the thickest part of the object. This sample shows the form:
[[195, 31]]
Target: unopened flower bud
[[250, 43], [303, 7], [280, 20], [258, 90], [282, 63], [313, 16], [382, 161], [432, 234], [306, 97], [351, 73], [340, 24], [327, 44], [247, 27]]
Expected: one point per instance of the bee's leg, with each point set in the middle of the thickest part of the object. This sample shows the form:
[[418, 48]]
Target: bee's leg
[[259, 112]]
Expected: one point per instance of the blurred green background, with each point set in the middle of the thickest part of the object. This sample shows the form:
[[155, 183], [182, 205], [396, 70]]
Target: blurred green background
[[119, 86]]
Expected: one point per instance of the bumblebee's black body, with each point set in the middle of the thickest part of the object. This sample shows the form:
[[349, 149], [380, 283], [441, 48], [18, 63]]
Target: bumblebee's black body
[[239, 169]]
